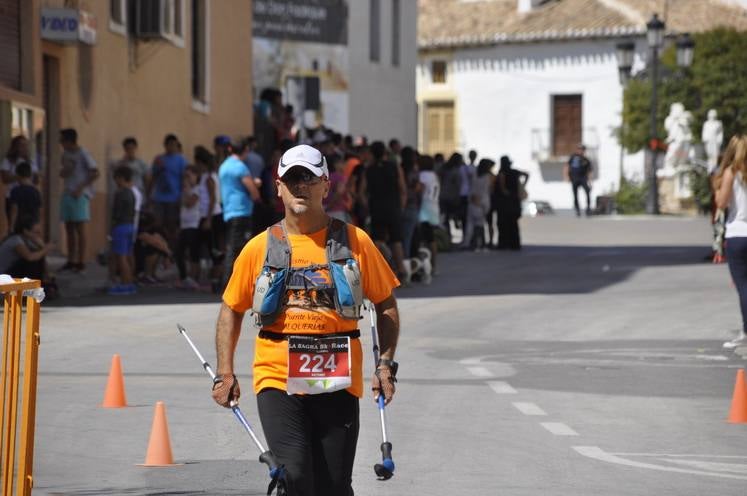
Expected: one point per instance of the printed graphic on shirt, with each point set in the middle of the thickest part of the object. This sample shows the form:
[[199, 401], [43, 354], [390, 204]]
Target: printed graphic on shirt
[[310, 287]]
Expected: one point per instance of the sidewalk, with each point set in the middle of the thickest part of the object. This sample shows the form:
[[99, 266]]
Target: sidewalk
[[90, 286]]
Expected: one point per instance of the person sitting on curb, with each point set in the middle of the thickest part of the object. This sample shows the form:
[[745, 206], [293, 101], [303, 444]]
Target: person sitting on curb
[[24, 252]]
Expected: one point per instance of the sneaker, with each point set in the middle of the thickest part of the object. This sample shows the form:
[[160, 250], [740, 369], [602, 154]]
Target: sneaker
[[79, 268], [740, 340], [117, 289], [128, 289]]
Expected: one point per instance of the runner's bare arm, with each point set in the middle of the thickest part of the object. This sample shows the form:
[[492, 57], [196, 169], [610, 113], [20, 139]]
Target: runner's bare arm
[[387, 318], [723, 194], [227, 332]]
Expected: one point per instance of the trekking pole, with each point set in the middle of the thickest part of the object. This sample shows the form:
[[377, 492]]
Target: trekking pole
[[277, 472], [385, 469]]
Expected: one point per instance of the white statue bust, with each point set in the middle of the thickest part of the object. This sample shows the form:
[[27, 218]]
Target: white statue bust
[[679, 137], [713, 138]]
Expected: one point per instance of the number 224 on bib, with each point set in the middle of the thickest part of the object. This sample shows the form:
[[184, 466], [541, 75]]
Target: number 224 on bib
[[318, 364]]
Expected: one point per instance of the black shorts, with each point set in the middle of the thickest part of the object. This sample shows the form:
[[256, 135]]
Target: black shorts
[[426, 232], [167, 214], [314, 436], [387, 227]]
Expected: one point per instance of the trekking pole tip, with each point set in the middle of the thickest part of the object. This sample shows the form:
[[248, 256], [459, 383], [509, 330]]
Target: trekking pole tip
[[385, 469]]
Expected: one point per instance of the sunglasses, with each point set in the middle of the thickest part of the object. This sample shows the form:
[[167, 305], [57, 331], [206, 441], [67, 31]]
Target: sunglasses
[[303, 176]]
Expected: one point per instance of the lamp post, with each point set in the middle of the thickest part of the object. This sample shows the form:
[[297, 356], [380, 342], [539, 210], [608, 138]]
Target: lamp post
[[655, 36], [625, 52]]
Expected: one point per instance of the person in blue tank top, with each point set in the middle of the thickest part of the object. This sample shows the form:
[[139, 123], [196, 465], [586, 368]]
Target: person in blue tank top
[[239, 193], [165, 187]]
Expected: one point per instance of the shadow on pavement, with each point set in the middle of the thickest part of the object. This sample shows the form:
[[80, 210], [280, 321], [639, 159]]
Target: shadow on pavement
[[548, 269], [651, 368], [538, 269]]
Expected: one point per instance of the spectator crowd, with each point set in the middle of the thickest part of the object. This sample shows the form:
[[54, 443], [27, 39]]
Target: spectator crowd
[[197, 212]]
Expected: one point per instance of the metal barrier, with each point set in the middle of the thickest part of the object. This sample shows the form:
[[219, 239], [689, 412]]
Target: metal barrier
[[17, 451]]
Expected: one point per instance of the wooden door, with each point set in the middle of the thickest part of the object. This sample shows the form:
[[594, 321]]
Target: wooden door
[[567, 130], [439, 128]]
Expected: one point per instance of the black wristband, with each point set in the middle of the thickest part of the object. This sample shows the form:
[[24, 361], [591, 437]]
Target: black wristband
[[393, 366], [219, 378]]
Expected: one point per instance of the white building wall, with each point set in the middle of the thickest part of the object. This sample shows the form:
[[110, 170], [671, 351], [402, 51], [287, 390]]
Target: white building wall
[[503, 102], [382, 96]]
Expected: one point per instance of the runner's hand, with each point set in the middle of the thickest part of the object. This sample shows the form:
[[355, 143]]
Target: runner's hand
[[226, 389], [383, 382]]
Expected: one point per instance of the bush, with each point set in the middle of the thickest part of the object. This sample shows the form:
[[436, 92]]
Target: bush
[[631, 197], [700, 183]]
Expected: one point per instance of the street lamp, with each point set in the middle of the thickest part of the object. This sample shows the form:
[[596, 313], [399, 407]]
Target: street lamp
[[655, 35], [685, 50], [625, 51]]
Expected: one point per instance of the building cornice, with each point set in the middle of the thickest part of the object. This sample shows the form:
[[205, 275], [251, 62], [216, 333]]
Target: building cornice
[[532, 37]]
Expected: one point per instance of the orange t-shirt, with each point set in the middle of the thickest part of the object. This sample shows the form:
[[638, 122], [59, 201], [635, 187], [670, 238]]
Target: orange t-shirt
[[271, 357]]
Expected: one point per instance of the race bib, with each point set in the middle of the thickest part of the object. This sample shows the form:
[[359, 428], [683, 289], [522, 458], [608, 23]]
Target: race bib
[[318, 364]]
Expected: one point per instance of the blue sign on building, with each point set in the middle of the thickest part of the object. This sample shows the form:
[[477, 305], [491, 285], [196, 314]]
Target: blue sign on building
[[67, 26]]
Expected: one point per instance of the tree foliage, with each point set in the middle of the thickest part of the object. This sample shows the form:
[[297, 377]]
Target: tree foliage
[[716, 80]]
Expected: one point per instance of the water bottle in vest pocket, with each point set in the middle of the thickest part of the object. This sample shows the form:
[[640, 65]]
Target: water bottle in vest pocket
[[347, 280], [268, 292]]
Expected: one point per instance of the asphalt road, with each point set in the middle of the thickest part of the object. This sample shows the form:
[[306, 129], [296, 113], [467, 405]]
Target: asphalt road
[[589, 363]]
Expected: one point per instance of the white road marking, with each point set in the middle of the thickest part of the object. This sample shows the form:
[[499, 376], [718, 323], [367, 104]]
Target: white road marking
[[668, 455], [733, 468], [558, 429], [480, 371], [597, 453], [501, 387], [529, 408], [471, 360]]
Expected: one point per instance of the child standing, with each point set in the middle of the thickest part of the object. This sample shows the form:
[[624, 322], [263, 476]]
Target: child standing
[[479, 206], [123, 218], [189, 236]]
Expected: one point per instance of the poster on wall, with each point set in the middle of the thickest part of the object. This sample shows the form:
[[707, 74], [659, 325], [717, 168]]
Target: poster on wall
[[283, 50]]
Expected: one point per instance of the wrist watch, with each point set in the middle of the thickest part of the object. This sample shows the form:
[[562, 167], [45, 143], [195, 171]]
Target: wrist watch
[[393, 366]]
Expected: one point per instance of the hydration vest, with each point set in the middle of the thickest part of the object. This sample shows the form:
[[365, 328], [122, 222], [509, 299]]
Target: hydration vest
[[335, 285]]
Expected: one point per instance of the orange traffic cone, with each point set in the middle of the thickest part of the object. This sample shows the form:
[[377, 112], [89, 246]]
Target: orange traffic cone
[[159, 446], [114, 396], [738, 412]]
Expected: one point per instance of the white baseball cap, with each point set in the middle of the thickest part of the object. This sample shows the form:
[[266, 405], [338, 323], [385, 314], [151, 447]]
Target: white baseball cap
[[303, 156]]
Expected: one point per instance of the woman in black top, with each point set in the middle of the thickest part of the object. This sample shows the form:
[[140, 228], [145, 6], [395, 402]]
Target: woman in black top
[[508, 194]]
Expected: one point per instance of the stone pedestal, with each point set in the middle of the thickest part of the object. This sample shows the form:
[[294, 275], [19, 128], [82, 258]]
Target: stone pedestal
[[671, 199]]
